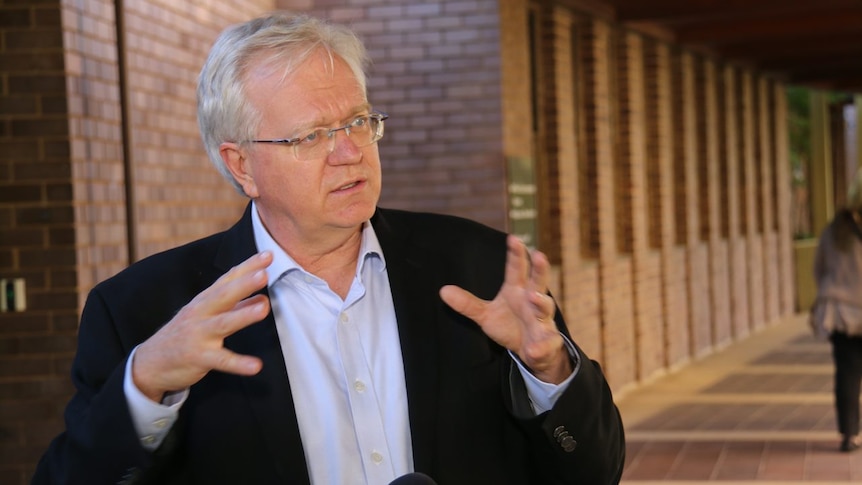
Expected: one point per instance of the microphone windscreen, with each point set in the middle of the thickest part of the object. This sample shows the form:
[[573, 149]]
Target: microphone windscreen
[[413, 479]]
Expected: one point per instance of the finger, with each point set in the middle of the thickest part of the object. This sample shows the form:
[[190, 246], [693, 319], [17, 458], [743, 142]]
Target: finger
[[237, 284], [245, 313], [230, 362], [517, 262], [464, 302], [544, 306], [539, 272]]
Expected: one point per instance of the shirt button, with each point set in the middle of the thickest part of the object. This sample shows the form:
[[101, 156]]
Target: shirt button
[[344, 318], [359, 386], [309, 279], [376, 457], [148, 439], [160, 423]]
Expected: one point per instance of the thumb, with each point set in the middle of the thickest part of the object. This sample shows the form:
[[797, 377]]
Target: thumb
[[463, 302]]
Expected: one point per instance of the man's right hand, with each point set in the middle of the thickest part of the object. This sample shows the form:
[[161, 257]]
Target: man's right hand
[[189, 346]]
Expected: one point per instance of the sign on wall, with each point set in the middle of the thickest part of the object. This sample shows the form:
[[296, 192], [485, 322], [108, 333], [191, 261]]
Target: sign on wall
[[523, 213]]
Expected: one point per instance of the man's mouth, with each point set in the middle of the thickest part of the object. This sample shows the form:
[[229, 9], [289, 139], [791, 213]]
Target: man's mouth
[[348, 186]]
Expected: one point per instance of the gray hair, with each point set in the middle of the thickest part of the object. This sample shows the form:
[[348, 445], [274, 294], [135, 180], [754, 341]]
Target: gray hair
[[277, 39]]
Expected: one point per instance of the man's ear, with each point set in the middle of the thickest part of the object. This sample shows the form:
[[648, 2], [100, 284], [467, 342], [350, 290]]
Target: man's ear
[[236, 161]]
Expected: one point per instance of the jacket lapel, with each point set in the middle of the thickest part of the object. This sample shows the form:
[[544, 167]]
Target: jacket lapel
[[411, 287], [268, 392]]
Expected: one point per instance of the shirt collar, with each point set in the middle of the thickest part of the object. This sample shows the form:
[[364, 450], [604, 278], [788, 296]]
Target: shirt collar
[[282, 263]]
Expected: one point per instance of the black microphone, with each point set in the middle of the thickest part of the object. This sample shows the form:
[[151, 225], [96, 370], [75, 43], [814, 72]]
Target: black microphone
[[413, 479]]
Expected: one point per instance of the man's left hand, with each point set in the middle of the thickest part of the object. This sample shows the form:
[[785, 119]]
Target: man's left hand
[[521, 316]]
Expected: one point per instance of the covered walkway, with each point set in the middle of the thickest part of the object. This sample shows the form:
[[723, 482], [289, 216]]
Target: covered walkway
[[757, 412]]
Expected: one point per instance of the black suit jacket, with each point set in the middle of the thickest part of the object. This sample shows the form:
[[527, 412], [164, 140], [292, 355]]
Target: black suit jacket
[[464, 395]]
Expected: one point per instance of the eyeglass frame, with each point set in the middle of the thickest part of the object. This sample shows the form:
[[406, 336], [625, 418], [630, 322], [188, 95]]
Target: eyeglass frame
[[380, 116]]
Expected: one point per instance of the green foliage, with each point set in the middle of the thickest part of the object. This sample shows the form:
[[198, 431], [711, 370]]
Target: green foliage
[[799, 125]]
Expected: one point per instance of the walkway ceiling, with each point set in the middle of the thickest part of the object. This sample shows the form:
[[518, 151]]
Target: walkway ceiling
[[817, 43]]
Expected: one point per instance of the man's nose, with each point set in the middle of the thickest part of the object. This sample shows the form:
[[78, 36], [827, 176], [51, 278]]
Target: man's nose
[[342, 149]]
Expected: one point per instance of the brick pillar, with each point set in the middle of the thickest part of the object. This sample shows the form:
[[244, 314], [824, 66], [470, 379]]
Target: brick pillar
[[96, 142], [579, 274], [771, 285], [614, 266], [753, 238], [740, 321], [697, 257], [663, 154], [719, 283], [646, 259]]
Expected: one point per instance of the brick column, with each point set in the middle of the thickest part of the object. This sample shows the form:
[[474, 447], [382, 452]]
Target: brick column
[[696, 249], [771, 285], [739, 314], [664, 153], [646, 260], [719, 283], [579, 274], [753, 238], [614, 268]]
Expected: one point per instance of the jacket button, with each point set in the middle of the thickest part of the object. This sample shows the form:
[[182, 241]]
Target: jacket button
[[558, 431], [565, 439]]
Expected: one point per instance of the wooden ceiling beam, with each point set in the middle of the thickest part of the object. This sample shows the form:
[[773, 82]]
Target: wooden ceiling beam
[[675, 10], [770, 27], [788, 48], [825, 74], [812, 62]]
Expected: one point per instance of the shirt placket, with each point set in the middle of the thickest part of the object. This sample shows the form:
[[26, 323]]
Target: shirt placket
[[362, 399]]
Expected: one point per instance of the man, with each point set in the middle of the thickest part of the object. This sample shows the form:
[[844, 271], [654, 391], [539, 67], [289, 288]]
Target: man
[[310, 343]]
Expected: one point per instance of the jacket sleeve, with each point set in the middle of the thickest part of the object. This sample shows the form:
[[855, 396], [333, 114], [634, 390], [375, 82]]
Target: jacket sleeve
[[100, 444], [581, 440]]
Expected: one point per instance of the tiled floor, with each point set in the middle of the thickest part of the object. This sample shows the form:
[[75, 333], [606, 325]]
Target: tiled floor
[[756, 412]]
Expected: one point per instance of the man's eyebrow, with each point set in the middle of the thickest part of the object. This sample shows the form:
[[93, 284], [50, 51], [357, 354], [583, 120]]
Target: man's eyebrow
[[320, 122]]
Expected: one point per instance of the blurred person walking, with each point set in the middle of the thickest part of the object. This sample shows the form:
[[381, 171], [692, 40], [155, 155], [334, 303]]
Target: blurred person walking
[[837, 312]]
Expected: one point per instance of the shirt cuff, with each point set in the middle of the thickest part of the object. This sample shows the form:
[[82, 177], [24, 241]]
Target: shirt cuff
[[543, 395], [152, 420]]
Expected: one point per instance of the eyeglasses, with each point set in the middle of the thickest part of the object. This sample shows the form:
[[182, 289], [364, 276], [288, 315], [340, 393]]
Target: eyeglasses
[[363, 131]]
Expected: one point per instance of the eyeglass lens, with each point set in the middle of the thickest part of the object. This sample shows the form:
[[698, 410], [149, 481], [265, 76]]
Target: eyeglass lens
[[363, 131]]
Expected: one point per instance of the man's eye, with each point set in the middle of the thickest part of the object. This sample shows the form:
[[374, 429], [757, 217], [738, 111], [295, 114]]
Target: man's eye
[[359, 122], [310, 138]]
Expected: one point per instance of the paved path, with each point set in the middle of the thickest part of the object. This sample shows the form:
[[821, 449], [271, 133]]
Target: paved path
[[757, 412]]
